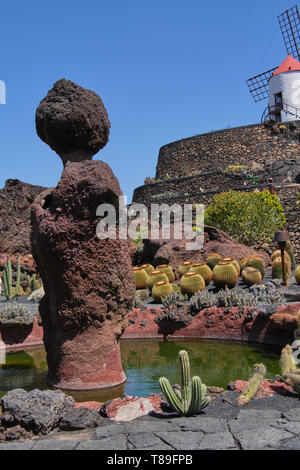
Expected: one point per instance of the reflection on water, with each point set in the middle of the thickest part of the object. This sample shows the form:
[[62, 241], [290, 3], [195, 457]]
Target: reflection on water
[[217, 363]]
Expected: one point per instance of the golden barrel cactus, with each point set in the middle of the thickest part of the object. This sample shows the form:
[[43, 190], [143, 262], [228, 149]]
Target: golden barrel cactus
[[167, 269], [184, 267], [202, 269], [140, 277], [191, 283], [160, 289], [224, 274], [154, 277], [213, 259], [251, 276]]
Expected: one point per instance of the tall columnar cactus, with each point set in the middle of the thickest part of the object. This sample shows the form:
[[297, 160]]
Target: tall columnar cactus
[[192, 396], [9, 291], [253, 385]]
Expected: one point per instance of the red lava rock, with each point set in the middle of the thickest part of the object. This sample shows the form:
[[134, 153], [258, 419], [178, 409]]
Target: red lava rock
[[90, 405], [266, 389], [174, 252], [129, 408], [15, 200], [72, 121], [277, 329], [88, 282]]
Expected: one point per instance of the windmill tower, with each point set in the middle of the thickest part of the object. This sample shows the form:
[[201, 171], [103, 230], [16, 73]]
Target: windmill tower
[[281, 85]]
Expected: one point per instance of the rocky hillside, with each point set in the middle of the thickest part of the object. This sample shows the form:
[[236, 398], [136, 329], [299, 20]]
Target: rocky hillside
[[15, 200]]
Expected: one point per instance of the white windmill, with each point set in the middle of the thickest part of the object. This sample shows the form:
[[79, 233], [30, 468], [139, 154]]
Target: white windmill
[[281, 85]]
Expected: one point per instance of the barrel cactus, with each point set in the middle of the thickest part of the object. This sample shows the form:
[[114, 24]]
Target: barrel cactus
[[148, 268], [243, 263], [235, 264], [202, 269], [191, 398], [277, 268], [167, 269], [140, 277], [213, 259], [191, 283], [290, 250], [160, 290], [251, 276], [254, 261], [184, 267], [277, 254], [224, 274], [297, 275], [154, 277]]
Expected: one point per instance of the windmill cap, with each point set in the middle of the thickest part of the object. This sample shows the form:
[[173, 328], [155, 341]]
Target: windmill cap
[[288, 65]]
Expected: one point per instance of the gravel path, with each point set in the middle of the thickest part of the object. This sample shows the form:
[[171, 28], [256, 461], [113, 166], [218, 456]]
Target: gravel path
[[272, 423]]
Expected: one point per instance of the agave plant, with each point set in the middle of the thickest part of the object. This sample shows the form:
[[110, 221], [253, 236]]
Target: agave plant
[[192, 397]]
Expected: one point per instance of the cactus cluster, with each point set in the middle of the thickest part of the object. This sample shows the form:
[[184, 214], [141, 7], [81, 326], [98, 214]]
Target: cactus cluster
[[223, 298], [173, 298], [191, 398]]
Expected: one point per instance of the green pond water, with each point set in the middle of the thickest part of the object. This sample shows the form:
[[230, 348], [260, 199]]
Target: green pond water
[[217, 363]]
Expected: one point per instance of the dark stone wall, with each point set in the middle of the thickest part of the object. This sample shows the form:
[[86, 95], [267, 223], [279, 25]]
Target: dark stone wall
[[193, 170], [253, 146]]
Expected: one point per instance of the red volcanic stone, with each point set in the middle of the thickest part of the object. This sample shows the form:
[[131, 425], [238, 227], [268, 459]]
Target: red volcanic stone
[[72, 121], [88, 282], [277, 329], [174, 252], [90, 405], [266, 389], [129, 408]]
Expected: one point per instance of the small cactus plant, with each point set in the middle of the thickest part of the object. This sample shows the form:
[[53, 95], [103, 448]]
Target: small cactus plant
[[140, 277], [154, 277], [255, 261], [167, 269], [277, 268], [184, 267], [235, 264], [202, 269], [253, 385], [148, 268], [224, 274], [251, 276], [192, 397], [9, 291], [160, 290], [191, 282], [213, 259]]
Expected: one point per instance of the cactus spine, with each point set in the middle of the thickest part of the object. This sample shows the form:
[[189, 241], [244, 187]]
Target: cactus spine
[[253, 386], [191, 398]]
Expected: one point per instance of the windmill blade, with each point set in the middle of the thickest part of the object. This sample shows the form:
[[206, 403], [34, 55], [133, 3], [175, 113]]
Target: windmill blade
[[259, 85], [289, 23]]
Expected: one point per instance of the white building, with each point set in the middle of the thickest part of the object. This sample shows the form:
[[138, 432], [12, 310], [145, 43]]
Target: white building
[[284, 91]]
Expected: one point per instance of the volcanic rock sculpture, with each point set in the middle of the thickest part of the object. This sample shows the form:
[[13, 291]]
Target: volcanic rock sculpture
[[72, 121], [88, 282]]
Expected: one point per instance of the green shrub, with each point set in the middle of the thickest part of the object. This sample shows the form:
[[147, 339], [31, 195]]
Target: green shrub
[[249, 217]]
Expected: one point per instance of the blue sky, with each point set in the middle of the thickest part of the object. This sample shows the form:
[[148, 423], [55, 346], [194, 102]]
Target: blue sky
[[165, 70]]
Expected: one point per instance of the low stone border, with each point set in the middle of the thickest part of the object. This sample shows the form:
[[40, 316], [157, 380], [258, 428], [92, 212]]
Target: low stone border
[[272, 424]]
